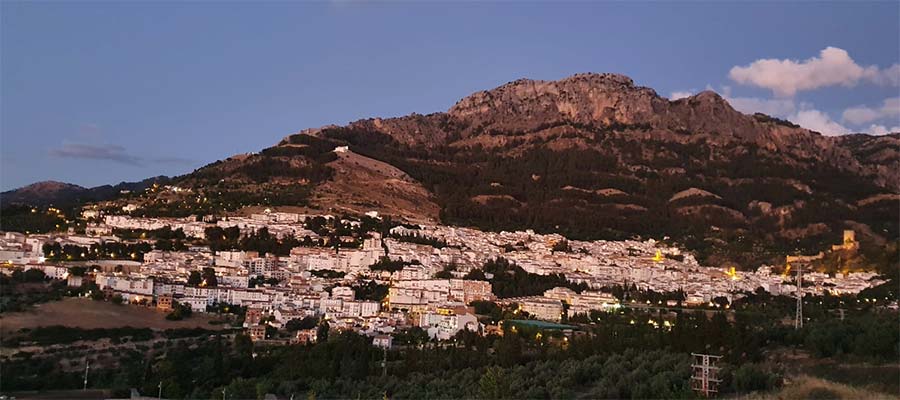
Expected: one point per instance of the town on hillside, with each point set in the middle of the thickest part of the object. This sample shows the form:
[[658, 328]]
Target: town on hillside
[[290, 274]]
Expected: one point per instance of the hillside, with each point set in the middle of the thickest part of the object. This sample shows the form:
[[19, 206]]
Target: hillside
[[63, 194], [595, 156], [45, 192], [360, 184], [589, 156]]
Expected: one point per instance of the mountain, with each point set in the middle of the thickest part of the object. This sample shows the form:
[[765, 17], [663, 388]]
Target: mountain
[[41, 193], [589, 156], [63, 194]]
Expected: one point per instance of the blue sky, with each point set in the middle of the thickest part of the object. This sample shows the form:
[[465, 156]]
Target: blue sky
[[96, 93]]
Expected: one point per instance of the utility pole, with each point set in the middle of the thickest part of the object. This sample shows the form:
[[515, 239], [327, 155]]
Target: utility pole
[[87, 367], [798, 319], [384, 364], [160, 391], [705, 379]]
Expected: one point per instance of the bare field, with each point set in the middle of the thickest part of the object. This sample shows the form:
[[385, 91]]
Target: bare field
[[807, 387], [89, 314]]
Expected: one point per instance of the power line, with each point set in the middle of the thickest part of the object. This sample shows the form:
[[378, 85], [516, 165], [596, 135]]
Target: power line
[[384, 364]]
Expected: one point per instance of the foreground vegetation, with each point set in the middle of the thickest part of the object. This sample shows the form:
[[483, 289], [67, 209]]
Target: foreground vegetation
[[626, 354]]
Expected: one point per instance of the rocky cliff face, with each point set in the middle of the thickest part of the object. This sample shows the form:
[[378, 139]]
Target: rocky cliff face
[[585, 98], [880, 155], [576, 107]]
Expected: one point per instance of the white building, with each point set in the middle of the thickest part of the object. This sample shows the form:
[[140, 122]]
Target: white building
[[542, 308], [443, 325], [131, 284]]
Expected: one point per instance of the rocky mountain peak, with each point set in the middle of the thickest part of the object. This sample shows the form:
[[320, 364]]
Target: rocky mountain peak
[[708, 96], [583, 98], [536, 111]]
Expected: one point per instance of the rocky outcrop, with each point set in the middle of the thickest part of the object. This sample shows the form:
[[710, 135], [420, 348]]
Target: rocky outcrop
[[571, 112]]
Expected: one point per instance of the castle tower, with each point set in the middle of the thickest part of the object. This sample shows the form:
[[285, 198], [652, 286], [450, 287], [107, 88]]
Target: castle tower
[[849, 242], [849, 237]]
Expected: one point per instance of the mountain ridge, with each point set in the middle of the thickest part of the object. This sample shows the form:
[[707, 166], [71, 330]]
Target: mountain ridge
[[58, 193], [589, 156], [587, 100]]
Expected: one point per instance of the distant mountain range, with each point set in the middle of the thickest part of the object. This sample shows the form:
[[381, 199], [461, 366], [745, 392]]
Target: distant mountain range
[[589, 156], [63, 194]]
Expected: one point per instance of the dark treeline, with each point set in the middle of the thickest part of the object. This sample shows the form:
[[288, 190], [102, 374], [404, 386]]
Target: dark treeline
[[19, 218], [165, 233], [370, 290], [386, 264], [510, 280], [328, 273], [214, 197], [57, 334], [21, 289], [103, 251], [166, 239], [260, 241], [421, 239], [331, 231]]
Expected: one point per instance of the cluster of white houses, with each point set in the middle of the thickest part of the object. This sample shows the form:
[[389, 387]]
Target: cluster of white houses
[[415, 296]]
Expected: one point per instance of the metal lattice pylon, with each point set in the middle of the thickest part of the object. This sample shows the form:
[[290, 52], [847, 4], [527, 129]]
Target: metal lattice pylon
[[798, 318], [705, 379]]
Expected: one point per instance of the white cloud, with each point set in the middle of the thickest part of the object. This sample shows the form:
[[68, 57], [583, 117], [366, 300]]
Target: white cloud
[[773, 107], [881, 129], [818, 121], [889, 76], [680, 94], [832, 67], [751, 105], [860, 115], [863, 115], [110, 152], [107, 152]]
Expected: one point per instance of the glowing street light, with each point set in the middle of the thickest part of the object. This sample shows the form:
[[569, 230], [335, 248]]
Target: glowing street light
[[732, 273]]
